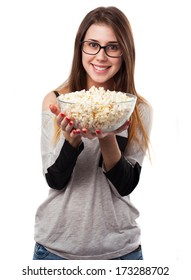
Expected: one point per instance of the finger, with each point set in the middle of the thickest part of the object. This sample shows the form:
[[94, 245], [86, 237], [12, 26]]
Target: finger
[[54, 109], [64, 121], [84, 132], [127, 123], [73, 133], [60, 118], [69, 127], [100, 134]]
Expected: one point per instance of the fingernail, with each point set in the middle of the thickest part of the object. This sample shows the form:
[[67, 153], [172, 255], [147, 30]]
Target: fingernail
[[70, 123], [62, 115], [84, 130], [98, 131], [67, 118]]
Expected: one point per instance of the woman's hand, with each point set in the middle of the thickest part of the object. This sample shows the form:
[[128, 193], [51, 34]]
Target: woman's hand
[[73, 136], [101, 134]]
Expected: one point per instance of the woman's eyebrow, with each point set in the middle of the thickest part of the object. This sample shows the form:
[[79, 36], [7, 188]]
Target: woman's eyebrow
[[96, 41]]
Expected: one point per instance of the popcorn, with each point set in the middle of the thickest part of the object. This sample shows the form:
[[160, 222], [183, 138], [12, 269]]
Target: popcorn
[[97, 108]]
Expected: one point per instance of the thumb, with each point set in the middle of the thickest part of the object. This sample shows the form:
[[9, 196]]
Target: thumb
[[54, 109]]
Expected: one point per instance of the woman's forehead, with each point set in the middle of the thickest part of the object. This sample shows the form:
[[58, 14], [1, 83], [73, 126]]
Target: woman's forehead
[[100, 32]]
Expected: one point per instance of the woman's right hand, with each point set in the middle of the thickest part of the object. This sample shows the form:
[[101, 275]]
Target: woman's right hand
[[72, 135]]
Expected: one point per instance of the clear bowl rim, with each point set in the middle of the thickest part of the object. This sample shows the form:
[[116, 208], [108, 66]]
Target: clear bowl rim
[[134, 98]]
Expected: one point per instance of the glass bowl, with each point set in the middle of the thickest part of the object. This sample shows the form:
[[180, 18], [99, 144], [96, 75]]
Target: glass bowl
[[97, 113]]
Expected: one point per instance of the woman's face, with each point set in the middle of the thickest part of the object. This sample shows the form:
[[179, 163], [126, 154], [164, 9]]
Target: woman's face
[[100, 68]]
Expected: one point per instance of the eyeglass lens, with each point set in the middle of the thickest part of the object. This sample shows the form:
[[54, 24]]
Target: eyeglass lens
[[92, 48]]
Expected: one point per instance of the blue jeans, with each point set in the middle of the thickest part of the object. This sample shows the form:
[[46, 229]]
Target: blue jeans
[[136, 255], [41, 253]]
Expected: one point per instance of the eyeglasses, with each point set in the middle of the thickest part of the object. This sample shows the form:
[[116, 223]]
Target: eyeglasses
[[92, 48]]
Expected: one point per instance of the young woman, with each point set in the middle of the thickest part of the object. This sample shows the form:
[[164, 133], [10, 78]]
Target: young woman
[[88, 213]]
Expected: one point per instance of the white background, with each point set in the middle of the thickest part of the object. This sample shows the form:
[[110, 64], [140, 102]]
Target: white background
[[37, 40]]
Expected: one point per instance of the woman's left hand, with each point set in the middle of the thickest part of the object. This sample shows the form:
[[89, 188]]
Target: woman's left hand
[[99, 134]]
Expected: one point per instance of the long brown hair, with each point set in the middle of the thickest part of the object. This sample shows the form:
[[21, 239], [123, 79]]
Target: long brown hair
[[124, 78]]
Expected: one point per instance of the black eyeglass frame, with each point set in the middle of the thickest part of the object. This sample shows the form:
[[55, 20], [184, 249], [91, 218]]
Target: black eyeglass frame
[[100, 47]]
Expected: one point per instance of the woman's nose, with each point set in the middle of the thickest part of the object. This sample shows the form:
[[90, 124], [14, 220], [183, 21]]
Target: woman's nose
[[101, 55]]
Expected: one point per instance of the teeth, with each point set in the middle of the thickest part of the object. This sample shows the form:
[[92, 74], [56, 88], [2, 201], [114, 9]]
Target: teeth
[[100, 68]]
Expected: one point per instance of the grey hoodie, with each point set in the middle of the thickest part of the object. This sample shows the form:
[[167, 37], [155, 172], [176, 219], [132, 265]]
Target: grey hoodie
[[89, 216]]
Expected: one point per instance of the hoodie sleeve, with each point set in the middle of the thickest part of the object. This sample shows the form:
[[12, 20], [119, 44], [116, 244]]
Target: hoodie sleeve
[[58, 159], [125, 175]]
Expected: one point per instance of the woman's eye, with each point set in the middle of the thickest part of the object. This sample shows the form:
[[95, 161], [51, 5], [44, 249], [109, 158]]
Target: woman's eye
[[113, 47], [93, 45]]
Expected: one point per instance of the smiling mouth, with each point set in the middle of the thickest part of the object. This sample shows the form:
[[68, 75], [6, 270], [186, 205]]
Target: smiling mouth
[[100, 68]]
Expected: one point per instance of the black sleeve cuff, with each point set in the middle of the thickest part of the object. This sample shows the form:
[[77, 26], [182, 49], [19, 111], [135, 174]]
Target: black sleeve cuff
[[59, 173], [124, 176], [69, 152]]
